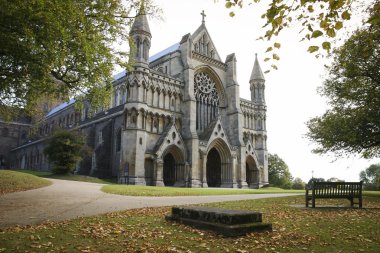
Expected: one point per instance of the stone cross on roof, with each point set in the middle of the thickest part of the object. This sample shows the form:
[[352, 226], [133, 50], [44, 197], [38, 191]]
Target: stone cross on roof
[[203, 16]]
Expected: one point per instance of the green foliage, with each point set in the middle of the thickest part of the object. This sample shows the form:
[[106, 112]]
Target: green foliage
[[316, 17], [64, 150], [61, 48], [371, 177], [278, 172], [14, 181], [138, 190], [71, 177], [298, 184], [352, 125]]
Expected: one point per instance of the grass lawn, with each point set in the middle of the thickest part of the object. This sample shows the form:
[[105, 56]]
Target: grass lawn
[[296, 229], [72, 177], [135, 190], [13, 181]]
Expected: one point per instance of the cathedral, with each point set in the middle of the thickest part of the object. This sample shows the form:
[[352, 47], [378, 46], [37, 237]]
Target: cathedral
[[176, 119]]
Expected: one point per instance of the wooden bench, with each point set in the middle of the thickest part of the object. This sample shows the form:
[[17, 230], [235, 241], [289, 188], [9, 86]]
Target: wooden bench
[[334, 190]]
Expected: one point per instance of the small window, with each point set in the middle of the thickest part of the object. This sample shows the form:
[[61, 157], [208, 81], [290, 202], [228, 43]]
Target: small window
[[140, 140]]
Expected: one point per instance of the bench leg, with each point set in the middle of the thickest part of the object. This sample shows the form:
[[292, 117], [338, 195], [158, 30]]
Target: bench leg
[[360, 202], [313, 202]]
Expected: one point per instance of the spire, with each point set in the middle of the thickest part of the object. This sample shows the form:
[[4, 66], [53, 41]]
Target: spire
[[256, 74], [141, 21]]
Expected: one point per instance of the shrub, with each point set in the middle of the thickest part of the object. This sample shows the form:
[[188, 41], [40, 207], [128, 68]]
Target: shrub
[[64, 150]]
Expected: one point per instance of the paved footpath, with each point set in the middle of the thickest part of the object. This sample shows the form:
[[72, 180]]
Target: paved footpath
[[69, 199]]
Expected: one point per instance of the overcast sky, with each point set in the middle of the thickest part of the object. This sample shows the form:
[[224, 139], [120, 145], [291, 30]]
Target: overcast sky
[[291, 95]]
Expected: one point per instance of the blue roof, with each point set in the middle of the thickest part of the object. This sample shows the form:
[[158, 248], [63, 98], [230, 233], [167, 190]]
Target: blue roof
[[164, 52], [60, 107], [119, 75]]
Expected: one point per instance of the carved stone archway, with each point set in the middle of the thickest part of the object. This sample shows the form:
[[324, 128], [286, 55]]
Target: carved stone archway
[[218, 167], [173, 166], [214, 168], [252, 172]]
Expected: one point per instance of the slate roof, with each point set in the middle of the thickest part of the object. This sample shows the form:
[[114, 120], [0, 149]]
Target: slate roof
[[164, 52], [61, 107], [119, 75]]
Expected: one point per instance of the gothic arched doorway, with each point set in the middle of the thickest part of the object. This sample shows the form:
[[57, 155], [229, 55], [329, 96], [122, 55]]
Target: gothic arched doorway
[[174, 166], [214, 168], [252, 172], [169, 170]]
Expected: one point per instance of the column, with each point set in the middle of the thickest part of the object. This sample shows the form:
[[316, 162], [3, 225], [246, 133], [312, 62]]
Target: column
[[234, 172], [204, 170], [158, 171]]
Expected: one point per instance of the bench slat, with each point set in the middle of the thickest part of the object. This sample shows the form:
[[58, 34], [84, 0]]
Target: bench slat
[[348, 190]]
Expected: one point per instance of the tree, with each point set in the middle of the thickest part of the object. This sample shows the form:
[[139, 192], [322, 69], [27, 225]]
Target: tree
[[61, 48], [64, 150], [352, 125], [298, 184], [317, 18], [278, 172], [371, 177]]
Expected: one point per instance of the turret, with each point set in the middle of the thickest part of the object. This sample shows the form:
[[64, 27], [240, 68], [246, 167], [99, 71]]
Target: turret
[[141, 35], [257, 84]]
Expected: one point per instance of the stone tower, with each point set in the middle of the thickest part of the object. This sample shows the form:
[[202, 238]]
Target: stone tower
[[257, 87], [142, 36], [138, 80]]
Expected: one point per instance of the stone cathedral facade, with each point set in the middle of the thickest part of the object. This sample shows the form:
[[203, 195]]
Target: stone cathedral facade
[[176, 120]]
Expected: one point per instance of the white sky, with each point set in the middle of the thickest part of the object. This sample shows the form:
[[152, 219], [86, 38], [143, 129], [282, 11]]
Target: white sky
[[291, 95]]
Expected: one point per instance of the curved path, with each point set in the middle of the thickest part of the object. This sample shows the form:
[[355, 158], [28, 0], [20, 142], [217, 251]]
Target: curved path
[[69, 199]]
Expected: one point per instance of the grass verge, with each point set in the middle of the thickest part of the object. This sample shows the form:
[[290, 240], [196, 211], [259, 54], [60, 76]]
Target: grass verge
[[136, 190], [72, 177], [296, 229], [13, 181]]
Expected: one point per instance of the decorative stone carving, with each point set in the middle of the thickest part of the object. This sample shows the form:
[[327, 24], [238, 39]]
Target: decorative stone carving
[[207, 98]]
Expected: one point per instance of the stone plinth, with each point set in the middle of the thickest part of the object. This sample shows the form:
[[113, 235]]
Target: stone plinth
[[222, 221]]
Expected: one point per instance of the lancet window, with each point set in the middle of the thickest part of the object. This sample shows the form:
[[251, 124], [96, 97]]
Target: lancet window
[[207, 100]]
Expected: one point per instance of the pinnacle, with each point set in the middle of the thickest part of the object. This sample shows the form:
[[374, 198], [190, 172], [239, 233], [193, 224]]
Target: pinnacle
[[141, 21], [256, 74]]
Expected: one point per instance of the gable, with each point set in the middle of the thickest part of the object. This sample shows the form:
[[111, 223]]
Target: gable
[[203, 44], [169, 137], [214, 131]]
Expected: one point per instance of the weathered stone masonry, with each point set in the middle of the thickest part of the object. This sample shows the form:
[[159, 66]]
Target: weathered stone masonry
[[175, 120]]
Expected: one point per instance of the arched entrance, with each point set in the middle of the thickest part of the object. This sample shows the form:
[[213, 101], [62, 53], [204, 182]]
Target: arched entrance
[[169, 170], [173, 167], [252, 172], [214, 168], [219, 172]]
